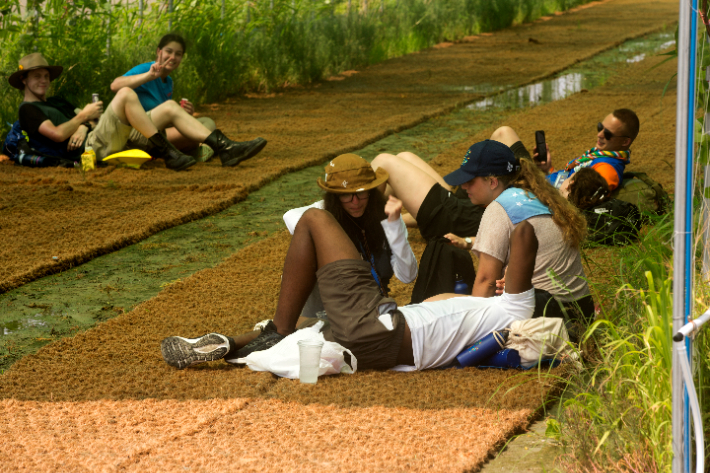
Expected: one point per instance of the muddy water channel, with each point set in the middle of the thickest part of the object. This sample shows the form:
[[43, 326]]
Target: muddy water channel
[[62, 304]]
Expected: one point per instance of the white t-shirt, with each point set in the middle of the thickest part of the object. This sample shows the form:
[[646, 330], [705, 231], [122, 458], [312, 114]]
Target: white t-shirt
[[443, 329], [553, 253]]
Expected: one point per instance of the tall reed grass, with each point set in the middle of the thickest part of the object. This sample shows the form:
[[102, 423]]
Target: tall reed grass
[[617, 416], [246, 46]]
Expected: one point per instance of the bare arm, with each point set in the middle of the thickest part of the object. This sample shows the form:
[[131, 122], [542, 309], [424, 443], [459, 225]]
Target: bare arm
[[136, 80], [490, 269], [61, 132]]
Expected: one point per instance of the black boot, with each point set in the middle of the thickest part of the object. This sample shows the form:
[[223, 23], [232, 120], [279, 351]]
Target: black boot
[[174, 158], [231, 152]]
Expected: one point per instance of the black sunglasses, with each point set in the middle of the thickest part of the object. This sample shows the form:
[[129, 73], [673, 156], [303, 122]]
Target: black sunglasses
[[607, 134]]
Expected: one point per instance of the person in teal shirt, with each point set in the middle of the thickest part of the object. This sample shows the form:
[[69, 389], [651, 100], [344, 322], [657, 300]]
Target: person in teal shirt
[[154, 86]]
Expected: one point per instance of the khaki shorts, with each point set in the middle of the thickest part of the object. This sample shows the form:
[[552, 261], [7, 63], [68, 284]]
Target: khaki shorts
[[351, 299], [112, 136]]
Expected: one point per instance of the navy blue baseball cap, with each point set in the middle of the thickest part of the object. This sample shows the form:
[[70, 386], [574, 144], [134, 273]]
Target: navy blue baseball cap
[[485, 158]]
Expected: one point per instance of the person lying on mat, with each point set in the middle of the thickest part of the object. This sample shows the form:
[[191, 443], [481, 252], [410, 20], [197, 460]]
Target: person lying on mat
[[511, 190], [372, 222], [609, 157], [55, 124], [154, 86], [379, 334]]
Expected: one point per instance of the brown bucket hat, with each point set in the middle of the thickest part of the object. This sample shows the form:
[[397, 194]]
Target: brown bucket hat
[[349, 173], [30, 62]]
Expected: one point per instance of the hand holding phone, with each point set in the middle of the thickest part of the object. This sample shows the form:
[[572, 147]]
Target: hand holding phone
[[541, 146]]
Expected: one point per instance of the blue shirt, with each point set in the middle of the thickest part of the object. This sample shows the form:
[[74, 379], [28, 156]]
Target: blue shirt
[[153, 93]]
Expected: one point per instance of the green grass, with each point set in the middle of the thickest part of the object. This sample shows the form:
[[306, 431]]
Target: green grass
[[296, 42], [617, 412]]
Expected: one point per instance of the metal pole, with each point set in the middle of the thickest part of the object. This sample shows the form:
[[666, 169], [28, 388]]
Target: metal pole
[[222, 14], [140, 12], [682, 243], [170, 17]]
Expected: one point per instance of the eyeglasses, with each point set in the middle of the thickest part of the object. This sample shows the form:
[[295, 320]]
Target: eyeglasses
[[607, 134], [362, 195]]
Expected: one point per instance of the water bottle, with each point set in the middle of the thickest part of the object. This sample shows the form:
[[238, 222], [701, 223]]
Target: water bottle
[[461, 287]]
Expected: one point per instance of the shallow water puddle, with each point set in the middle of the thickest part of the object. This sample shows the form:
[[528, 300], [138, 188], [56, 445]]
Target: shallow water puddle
[[585, 76], [62, 304]]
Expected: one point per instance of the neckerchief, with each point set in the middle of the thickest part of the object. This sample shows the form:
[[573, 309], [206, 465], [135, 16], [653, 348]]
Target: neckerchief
[[594, 153]]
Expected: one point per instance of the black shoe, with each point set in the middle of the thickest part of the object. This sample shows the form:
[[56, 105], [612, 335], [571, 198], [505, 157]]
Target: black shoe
[[174, 158], [183, 352], [231, 152], [266, 339]]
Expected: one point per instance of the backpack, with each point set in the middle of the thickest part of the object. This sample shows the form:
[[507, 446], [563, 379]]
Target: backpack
[[21, 150], [642, 191], [614, 222]]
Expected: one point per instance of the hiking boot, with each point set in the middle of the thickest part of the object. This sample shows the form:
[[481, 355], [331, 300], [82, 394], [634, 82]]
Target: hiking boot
[[174, 158], [231, 152], [265, 340], [183, 352]]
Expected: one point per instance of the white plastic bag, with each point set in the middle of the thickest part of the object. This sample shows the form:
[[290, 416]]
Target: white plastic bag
[[283, 359], [540, 339]]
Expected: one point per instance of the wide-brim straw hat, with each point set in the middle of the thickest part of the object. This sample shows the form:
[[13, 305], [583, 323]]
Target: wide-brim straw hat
[[31, 62], [349, 173]]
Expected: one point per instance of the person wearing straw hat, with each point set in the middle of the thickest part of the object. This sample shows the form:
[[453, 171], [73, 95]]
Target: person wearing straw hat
[[379, 334], [57, 125], [374, 225]]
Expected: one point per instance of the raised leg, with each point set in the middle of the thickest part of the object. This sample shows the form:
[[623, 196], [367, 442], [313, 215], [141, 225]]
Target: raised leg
[[318, 240], [505, 135], [130, 111], [408, 182]]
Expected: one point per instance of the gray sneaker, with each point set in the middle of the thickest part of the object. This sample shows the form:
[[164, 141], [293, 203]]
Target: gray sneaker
[[183, 352]]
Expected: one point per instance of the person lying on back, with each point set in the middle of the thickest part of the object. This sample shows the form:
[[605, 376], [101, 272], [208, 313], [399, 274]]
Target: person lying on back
[[54, 123], [609, 157]]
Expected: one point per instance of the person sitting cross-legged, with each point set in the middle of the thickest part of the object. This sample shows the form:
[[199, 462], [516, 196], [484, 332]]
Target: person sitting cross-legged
[[379, 334], [55, 123]]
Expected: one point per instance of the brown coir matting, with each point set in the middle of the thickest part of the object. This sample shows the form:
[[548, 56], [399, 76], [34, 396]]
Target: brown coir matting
[[53, 219], [244, 436], [105, 400]]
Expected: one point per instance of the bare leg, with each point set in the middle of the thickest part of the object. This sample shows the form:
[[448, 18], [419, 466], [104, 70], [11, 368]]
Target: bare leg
[[318, 240], [419, 162], [130, 111], [407, 182], [505, 135], [170, 113], [181, 142]]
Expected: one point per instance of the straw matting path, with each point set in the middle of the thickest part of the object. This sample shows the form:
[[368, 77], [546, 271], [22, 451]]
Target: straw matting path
[[53, 219]]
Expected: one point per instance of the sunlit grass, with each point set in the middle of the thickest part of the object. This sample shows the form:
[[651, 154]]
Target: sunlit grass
[[295, 42]]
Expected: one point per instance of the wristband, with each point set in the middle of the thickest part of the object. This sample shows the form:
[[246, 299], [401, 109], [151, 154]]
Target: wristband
[[88, 125]]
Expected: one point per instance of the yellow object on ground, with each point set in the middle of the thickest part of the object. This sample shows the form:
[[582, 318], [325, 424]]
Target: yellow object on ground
[[132, 158]]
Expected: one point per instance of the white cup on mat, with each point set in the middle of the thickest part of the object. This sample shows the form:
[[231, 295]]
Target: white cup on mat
[[309, 351]]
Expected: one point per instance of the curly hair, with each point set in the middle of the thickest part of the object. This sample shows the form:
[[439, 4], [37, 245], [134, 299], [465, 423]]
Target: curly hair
[[370, 220], [567, 218], [587, 189]]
